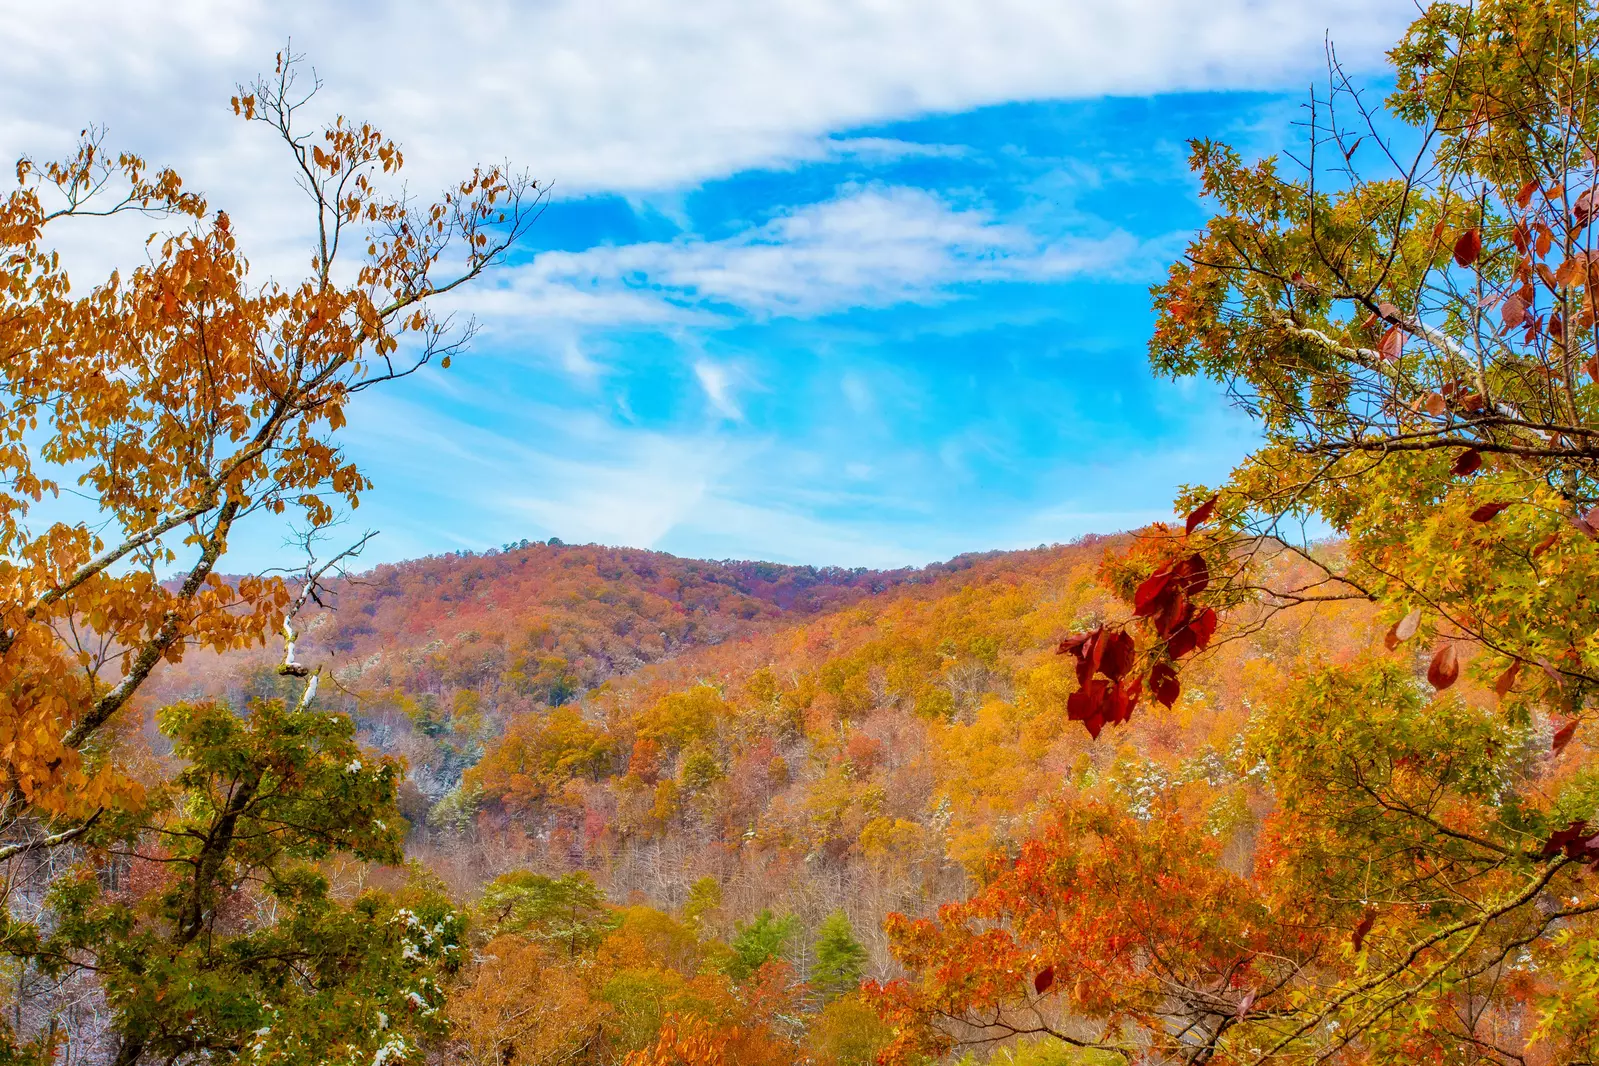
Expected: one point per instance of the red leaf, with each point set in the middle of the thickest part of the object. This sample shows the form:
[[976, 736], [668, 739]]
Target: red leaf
[[1524, 196], [1468, 462], [1149, 596], [1045, 978], [1521, 236], [1175, 611], [1163, 683], [1514, 311], [1468, 247], [1444, 670], [1195, 574], [1087, 705], [1545, 241], [1545, 544], [1086, 648], [1576, 841], [1487, 511], [1363, 927], [1124, 699], [1200, 513], [1392, 344], [1582, 209], [1073, 644], [1402, 630], [1507, 680], [1563, 736], [1117, 656]]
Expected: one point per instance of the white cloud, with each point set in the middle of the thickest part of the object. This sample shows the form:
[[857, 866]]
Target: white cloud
[[635, 499], [888, 150], [700, 493], [568, 472], [577, 477], [869, 248], [628, 95], [718, 386]]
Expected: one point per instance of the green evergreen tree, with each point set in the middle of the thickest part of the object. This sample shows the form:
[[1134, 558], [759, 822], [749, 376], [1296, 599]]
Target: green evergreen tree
[[840, 958], [758, 943]]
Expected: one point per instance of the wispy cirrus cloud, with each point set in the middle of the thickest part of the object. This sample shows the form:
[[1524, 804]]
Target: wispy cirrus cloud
[[872, 247]]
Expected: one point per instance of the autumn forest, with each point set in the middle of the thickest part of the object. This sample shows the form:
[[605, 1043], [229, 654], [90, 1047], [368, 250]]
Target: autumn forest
[[1305, 774]]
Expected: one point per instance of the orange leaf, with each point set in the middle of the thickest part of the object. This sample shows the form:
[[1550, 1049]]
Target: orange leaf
[[1507, 680], [1392, 344], [1444, 670]]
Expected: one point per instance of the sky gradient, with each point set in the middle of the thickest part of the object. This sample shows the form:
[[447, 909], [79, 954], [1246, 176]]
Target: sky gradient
[[857, 284]]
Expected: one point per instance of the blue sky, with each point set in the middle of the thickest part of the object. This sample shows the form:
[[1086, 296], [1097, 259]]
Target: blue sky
[[826, 282], [932, 342]]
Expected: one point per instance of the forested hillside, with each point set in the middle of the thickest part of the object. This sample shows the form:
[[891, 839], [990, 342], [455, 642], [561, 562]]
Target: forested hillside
[[792, 749], [434, 657]]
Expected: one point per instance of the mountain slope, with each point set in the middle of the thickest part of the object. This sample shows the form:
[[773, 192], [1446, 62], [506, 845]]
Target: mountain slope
[[805, 739]]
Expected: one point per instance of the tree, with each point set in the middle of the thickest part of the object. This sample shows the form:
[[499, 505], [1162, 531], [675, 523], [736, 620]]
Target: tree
[[239, 948], [751, 1025], [840, 958], [522, 1007], [1419, 350], [679, 719], [187, 398], [846, 1033], [538, 756], [568, 913], [704, 902], [1418, 347], [762, 941]]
